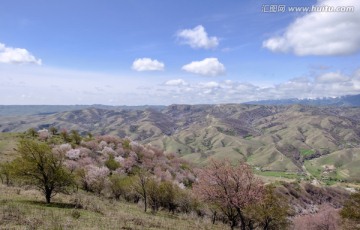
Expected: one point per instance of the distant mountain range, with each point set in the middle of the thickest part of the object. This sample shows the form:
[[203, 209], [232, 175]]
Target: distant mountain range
[[15, 110], [349, 100], [324, 141], [11, 110]]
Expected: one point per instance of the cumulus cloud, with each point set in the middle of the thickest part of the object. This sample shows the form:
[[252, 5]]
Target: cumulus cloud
[[147, 64], [197, 38], [321, 33], [12, 55], [207, 67], [176, 82]]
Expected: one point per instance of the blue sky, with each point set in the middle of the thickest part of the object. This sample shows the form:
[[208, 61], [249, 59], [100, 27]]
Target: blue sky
[[164, 52]]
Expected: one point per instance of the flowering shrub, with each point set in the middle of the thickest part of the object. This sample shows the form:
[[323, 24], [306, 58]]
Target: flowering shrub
[[96, 160], [43, 134], [96, 178], [73, 154]]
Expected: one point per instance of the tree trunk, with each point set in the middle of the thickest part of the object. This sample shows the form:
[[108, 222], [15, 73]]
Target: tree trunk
[[145, 201], [232, 225], [242, 220], [266, 225], [48, 197], [48, 193], [251, 225], [233, 222], [243, 225], [7, 180], [214, 217]]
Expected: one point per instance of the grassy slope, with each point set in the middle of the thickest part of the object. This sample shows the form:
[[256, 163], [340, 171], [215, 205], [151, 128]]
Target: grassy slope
[[8, 142], [25, 209], [340, 164]]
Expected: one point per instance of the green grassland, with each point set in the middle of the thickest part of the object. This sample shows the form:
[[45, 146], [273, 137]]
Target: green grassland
[[25, 209]]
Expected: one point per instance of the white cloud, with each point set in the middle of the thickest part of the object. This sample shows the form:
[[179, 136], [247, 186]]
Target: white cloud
[[198, 38], [207, 67], [331, 84], [321, 33], [211, 84], [176, 82], [244, 87], [11, 55], [147, 64], [332, 78], [74, 87], [79, 87]]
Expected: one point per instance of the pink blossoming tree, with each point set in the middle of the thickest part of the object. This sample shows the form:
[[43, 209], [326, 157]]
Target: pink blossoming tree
[[230, 188]]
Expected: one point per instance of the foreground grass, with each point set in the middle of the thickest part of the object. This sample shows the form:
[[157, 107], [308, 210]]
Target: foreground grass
[[25, 209]]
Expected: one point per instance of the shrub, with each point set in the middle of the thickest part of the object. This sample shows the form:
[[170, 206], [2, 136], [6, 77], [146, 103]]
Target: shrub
[[111, 163], [351, 212], [6, 173], [326, 218], [120, 185], [75, 214], [95, 178], [271, 212]]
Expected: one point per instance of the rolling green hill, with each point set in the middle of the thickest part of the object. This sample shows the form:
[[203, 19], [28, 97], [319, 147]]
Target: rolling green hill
[[271, 138]]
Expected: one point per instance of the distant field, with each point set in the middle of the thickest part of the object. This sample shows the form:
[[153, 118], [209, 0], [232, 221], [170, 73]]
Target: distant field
[[279, 174], [307, 152]]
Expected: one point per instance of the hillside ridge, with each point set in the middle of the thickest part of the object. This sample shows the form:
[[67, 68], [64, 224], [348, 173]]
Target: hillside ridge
[[272, 138]]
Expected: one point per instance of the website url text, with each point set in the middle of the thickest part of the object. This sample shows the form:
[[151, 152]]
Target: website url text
[[305, 9]]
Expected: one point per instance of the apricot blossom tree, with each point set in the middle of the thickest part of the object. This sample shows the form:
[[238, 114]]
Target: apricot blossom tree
[[230, 188]]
